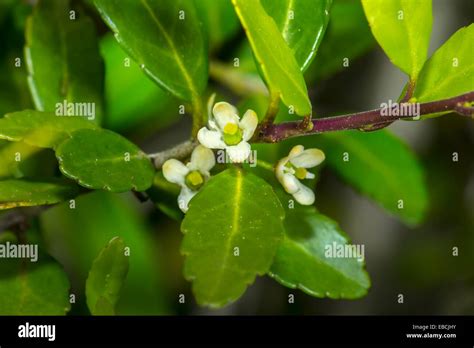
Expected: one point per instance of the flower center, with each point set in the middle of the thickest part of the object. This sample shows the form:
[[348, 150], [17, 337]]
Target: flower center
[[194, 180], [300, 173], [231, 128], [232, 134]]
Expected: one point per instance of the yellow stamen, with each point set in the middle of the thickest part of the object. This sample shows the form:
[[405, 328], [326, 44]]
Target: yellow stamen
[[300, 173], [194, 180], [231, 128]]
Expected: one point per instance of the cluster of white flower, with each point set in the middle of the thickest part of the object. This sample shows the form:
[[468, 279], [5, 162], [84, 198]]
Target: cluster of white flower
[[293, 167], [226, 130], [191, 176]]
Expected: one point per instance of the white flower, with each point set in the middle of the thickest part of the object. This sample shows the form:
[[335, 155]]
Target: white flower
[[192, 176], [227, 131], [293, 167]]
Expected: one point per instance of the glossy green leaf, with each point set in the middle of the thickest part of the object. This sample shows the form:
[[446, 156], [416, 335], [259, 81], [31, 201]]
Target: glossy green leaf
[[106, 278], [24, 193], [133, 101], [20, 160], [276, 60], [165, 38], [63, 58], [37, 128], [347, 36], [76, 236], [232, 230], [307, 257], [32, 288], [450, 71], [381, 166], [403, 29], [10, 153], [102, 159], [219, 19], [302, 24]]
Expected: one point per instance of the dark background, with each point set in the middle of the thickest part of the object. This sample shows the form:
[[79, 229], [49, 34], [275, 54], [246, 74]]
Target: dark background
[[415, 262]]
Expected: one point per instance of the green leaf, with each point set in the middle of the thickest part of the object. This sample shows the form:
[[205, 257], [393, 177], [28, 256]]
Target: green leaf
[[102, 159], [77, 236], [347, 36], [276, 60], [381, 166], [403, 29], [106, 278], [232, 230], [20, 160], [306, 260], [450, 71], [10, 153], [32, 283], [63, 57], [30, 287], [302, 24], [219, 20], [132, 99], [164, 37], [25, 193], [42, 129]]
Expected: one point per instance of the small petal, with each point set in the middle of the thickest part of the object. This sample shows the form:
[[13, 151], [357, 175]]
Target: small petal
[[225, 113], [308, 158], [174, 171], [213, 125], [202, 159], [310, 175], [304, 196], [211, 139], [238, 153], [281, 172], [248, 124], [184, 197], [280, 166], [295, 151], [290, 183]]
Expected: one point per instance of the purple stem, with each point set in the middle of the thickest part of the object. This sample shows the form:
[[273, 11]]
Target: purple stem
[[365, 120]]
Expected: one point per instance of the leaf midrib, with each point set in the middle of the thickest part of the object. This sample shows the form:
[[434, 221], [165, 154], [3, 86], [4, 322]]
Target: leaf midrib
[[285, 72], [65, 64], [251, 38], [108, 160], [233, 232], [286, 24], [181, 66], [26, 289], [320, 262], [413, 74]]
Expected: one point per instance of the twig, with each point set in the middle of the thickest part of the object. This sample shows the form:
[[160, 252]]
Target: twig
[[180, 151], [362, 120], [409, 92]]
